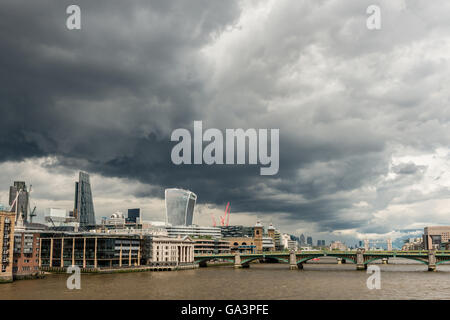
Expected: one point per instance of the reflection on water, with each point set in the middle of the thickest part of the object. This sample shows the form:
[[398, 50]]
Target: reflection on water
[[260, 281]]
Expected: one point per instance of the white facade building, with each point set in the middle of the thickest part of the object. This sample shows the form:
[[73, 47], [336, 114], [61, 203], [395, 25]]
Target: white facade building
[[193, 231]]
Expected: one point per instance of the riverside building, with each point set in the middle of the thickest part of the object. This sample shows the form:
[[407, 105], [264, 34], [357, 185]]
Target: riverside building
[[26, 254], [88, 250], [211, 246], [162, 251], [7, 222]]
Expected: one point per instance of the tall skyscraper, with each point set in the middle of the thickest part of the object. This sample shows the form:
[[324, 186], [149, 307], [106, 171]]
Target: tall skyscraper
[[84, 205], [22, 199], [180, 206], [309, 241], [302, 239]]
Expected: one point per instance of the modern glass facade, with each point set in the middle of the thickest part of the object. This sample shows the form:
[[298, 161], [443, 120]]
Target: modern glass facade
[[180, 206], [84, 205], [89, 250], [134, 215]]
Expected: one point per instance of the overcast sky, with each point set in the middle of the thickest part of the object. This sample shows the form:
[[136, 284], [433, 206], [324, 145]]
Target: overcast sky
[[363, 114]]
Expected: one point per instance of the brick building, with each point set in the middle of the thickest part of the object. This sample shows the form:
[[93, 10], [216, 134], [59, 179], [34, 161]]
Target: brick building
[[26, 254]]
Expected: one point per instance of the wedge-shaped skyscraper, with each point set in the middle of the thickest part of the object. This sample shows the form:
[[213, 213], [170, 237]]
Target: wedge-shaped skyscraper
[[180, 206], [84, 205]]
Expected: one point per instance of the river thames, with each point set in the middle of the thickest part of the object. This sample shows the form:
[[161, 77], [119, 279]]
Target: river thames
[[260, 281]]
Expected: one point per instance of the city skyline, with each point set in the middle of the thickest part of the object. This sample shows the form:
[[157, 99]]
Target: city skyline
[[362, 114]]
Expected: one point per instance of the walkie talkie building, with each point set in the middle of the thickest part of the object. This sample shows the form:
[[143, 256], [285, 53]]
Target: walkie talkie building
[[180, 207], [84, 205]]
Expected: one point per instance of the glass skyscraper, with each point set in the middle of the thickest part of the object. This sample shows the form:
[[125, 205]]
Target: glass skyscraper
[[180, 207], [84, 205]]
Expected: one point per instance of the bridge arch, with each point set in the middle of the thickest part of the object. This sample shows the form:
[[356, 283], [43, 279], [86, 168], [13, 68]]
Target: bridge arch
[[304, 259], [403, 257], [206, 259], [248, 260], [442, 261]]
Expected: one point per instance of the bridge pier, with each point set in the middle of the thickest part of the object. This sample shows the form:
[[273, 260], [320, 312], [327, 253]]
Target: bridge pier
[[360, 260], [339, 260], [432, 260], [293, 261], [384, 260], [237, 261]]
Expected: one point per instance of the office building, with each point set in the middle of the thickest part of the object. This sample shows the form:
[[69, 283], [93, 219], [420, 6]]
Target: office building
[[134, 215], [309, 241], [18, 199], [193, 231], [88, 250], [180, 206], [434, 236], [302, 240], [7, 222], [211, 246], [84, 205], [58, 219], [321, 243], [236, 231]]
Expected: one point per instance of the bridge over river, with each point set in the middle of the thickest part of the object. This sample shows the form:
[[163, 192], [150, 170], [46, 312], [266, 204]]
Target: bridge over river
[[360, 257]]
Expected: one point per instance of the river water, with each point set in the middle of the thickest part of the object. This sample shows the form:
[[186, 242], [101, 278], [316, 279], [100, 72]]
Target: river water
[[261, 281]]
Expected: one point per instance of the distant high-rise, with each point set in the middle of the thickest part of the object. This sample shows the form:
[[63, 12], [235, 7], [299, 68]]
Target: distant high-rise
[[84, 205], [309, 241], [22, 199], [302, 239], [134, 215], [320, 243], [180, 206]]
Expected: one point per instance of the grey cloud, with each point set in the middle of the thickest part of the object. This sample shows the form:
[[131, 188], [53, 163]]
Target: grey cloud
[[106, 98]]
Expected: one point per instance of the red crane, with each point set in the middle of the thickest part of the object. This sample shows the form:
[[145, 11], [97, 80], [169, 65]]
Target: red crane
[[226, 216]]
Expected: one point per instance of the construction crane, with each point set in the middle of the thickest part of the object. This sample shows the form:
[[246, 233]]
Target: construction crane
[[32, 212], [225, 216]]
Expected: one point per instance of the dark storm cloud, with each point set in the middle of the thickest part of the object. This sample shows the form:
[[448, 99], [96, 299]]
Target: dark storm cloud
[[107, 97]]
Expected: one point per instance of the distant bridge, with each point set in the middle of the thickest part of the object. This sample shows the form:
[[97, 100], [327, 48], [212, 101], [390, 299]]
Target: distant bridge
[[360, 257]]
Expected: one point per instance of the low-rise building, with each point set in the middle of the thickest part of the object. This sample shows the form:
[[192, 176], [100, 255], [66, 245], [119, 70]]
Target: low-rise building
[[338, 245], [205, 245], [242, 244], [193, 231], [268, 244], [292, 245], [413, 244], [161, 251]]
